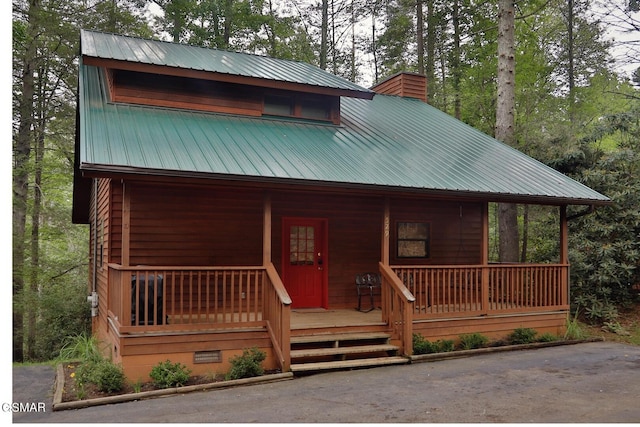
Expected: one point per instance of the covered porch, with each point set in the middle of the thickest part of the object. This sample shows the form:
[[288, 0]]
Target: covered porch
[[244, 303]]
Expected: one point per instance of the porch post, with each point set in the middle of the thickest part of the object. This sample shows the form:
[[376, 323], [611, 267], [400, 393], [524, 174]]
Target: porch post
[[266, 232], [564, 236], [564, 255], [385, 232], [126, 223], [484, 257]]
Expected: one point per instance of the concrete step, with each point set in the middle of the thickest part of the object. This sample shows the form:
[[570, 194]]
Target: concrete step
[[348, 364]]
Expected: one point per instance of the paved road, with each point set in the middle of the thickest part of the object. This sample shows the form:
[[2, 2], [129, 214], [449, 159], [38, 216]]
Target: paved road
[[584, 383]]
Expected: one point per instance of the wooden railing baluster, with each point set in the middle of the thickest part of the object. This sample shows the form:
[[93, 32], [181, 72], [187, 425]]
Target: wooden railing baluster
[[467, 290]]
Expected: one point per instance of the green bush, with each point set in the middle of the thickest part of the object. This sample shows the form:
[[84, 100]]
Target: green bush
[[522, 336], [422, 345], [445, 346], [108, 376], [547, 337], [84, 373], [93, 368], [166, 374], [248, 365], [472, 341]]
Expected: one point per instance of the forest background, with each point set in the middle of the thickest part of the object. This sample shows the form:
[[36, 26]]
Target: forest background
[[577, 109]]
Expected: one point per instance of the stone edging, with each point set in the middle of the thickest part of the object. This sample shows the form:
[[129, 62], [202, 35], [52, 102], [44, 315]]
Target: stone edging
[[432, 357], [59, 405]]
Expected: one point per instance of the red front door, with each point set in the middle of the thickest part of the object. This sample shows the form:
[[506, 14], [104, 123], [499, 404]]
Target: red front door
[[304, 260]]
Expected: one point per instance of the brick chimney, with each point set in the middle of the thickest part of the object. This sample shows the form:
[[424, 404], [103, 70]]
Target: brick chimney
[[410, 85]]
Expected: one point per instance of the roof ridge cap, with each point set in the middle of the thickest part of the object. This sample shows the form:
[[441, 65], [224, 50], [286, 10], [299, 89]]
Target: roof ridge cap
[[197, 46]]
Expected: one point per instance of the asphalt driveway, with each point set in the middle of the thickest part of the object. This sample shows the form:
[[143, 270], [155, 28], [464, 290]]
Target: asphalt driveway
[[596, 382]]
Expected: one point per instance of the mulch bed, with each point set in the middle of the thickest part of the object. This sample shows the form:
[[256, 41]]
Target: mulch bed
[[71, 393]]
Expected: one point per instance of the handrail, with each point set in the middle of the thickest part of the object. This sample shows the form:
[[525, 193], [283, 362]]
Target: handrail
[[395, 281], [277, 314], [181, 267], [274, 277], [397, 308]]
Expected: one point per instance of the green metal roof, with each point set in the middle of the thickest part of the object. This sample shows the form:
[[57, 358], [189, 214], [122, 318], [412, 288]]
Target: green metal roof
[[167, 54], [387, 142]]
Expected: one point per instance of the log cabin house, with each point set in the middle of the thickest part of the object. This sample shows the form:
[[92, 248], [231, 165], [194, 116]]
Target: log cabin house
[[233, 200]]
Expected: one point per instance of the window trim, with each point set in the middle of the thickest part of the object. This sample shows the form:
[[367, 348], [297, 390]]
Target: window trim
[[427, 240]]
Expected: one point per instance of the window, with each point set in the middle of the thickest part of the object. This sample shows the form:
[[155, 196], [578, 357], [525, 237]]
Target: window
[[314, 109], [413, 239], [278, 105], [319, 108], [301, 245]]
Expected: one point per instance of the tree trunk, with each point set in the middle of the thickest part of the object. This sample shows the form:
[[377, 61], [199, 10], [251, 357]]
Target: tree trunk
[[455, 63], [353, 43], [31, 309], [420, 36], [505, 122], [334, 50], [525, 233], [228, 21], [324, 51], [571, 66], [374, 15], [430, 65], [22, 153]]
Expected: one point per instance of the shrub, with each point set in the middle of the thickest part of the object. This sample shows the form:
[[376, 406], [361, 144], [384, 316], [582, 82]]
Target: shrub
[[248, 365], [472, 341], [445, 346], [166, 374], [108, 376], [547, 337], [422, 345], [522, 336], [84, 373]]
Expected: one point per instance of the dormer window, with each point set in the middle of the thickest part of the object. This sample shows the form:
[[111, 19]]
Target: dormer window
[[189, 93], [303, 106], [278, 105], [315, 109]]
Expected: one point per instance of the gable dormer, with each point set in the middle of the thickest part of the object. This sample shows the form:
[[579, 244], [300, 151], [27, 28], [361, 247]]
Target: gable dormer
[[164, 74]]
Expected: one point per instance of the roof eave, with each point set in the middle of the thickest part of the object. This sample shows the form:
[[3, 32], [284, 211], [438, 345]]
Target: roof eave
[[106, 170], [224, 77]]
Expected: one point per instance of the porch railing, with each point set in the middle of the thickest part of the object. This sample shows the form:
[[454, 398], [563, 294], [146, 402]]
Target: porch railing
[[467, 290], [397, 308], [277, 314], [166, 299]]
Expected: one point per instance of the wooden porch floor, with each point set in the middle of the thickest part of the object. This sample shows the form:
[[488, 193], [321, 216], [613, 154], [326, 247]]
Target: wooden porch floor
[[320, 318]]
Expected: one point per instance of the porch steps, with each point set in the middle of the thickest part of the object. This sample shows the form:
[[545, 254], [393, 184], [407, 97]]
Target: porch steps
[[348, 364], [321, 352]]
